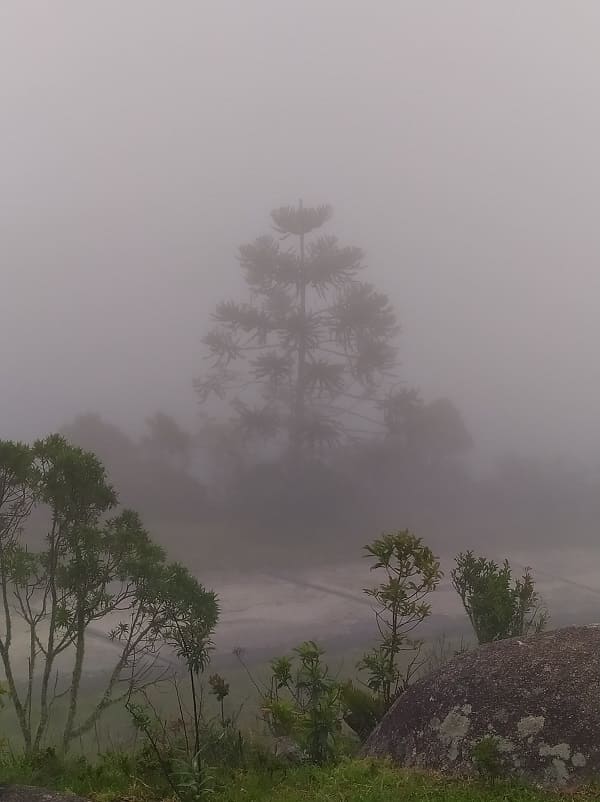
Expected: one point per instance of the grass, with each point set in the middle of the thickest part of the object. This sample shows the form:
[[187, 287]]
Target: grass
[[370, 781], [118, 777]]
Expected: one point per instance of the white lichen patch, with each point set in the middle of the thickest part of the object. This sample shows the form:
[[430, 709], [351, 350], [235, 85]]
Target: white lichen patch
[[504, 745], [530, 725], [456, 724], [453, 729], [578, 760], [561, 751], [560, 771]]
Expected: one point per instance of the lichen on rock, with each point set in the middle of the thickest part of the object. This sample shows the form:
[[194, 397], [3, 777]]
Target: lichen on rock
[[539, 699], [530, 725], [456, 724]]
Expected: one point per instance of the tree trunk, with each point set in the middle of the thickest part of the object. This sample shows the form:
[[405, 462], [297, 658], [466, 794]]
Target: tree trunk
[[75, 681], [50, 654], [14, 696], [298, 413]]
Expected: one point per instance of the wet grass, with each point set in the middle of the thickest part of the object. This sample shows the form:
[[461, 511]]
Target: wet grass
[[117, 776]]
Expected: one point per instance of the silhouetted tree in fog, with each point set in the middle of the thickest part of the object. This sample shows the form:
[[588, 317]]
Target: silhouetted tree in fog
[[153, 474], [425, 432], [311, 349], [167, 440]]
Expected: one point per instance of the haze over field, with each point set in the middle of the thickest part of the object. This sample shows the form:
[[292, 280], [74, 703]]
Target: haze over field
[[279, 280], [456, 142], [142, 144]]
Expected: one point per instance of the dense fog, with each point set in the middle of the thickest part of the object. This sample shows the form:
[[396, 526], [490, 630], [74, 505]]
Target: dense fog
[[298, 383], [143, 143]]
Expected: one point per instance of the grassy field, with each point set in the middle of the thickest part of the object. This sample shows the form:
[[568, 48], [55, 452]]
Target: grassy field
[[115, 779], [368, 781]]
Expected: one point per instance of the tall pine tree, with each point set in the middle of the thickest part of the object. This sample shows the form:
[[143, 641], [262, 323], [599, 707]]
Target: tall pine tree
[[312, 347]]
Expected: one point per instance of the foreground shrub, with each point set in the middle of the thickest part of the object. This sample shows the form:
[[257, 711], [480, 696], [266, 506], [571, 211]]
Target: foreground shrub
[[497, 605]]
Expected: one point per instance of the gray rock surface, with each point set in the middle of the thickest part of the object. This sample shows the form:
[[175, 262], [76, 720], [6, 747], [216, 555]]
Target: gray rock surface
[[537, 698]]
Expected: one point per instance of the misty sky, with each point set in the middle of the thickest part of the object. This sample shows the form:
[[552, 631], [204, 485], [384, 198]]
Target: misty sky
[[141, 142]]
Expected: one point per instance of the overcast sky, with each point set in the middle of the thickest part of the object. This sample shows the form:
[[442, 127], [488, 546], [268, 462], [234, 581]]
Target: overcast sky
[[141, 142]]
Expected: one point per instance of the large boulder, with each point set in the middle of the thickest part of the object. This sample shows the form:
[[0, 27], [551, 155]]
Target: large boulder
[[534, 702]]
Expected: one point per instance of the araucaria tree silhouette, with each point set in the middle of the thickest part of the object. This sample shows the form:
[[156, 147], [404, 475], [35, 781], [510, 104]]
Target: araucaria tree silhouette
[[312, 348]]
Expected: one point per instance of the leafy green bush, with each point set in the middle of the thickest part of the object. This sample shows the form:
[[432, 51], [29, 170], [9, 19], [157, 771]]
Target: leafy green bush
[[301, 702], [487, 758], [497, 606]]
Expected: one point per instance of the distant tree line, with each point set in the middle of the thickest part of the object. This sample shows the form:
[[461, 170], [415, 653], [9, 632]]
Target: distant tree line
[[307, 427]]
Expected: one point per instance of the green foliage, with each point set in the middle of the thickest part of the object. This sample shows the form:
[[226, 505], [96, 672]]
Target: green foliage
[[71, 482], [91, 567], [220, 690], [303, 702], [185, 749], [193, 780], [192, 753], [412, 572], [497, 606], [115, 777], [111, 776], [189, 614], [182, 769], [487, 758], [373, 781]]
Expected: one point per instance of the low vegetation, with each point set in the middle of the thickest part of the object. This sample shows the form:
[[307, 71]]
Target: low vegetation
[[117, 777], [96, 566]]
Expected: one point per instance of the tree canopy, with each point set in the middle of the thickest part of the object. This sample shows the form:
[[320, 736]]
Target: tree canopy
[[311, 351], [96, 567]]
